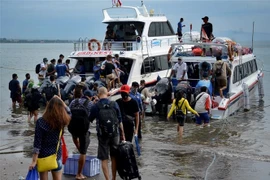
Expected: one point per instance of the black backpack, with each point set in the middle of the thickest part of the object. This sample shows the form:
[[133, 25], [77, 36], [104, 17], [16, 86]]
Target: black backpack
[[50, 91], [28, 100], [38, 68], [107, 119], [79, 123], [179, 113], [141, 89], [219, 70]]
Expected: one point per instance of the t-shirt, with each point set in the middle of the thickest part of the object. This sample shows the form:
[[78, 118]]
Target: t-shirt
[[82, 71], [109, 67], [42, 72], [24, 86], [208, 28], [206, 83], [179, 28], [14, 88], [180, 68], [61, 70], [130, 107], [96, 70], [50, 68]]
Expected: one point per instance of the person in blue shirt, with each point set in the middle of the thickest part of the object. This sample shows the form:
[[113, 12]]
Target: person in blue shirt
[[205, 82], [82, 69], [61, 69], [25, 82], [96, 70], [134, 94], [179, 28]]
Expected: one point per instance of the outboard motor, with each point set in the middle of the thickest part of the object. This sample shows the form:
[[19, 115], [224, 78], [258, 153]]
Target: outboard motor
[[186, 88], [164, 95], [70, 86], [45, 83], [62, 81]]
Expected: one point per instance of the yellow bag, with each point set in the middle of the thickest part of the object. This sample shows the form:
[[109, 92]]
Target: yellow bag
[[50, 162]]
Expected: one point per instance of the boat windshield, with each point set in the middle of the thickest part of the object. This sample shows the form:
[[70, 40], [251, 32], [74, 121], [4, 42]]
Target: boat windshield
[[124, 31]]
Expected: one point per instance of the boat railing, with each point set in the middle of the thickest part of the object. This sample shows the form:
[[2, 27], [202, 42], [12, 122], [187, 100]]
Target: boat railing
[[141, 43]]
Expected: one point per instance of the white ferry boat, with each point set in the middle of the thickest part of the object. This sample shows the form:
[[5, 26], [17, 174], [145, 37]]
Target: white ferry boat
[[142, 50], [245, 77]]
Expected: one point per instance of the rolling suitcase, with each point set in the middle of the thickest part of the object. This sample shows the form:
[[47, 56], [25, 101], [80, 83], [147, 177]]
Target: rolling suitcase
[[126, 162]]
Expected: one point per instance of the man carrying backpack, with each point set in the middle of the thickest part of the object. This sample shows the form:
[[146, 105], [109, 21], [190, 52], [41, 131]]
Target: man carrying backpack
[[41, 69], [79, 125], [220, 72], [51, 89], [108, 119]]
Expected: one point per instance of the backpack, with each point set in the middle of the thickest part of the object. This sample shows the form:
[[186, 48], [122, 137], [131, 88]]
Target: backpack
[[193, 103], [50, 91], [107, 119], [219, 70], [141, 89], [38, 68], [179, 113], [79, 123]]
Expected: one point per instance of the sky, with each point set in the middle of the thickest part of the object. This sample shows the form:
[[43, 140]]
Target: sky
[[72, 19]]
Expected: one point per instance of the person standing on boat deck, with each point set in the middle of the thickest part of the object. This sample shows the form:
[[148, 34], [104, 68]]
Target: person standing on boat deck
[[179, 28], [109, 69], [51, 68], [207, 29], [205, 69], [61, 69], [109, 36], [25, 82], [43, 70], [180, 69], [96, 70], [107, 144], [205, 82], [15, 90], [220, 72], [181, 105], [203, 104], [67, 64], [81, 139], [120, 34]]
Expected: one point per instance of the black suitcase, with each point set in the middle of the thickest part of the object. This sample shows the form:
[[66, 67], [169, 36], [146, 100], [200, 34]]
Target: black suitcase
[[126, 162]]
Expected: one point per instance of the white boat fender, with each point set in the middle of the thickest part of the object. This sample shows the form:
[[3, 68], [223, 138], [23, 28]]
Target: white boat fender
[[223, 104], [246, 97], [260, 85]]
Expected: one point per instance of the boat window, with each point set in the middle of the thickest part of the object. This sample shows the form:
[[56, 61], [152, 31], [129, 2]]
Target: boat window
[[89, 63], [242, 71], [127, 30], [160, 29], [155, 64]]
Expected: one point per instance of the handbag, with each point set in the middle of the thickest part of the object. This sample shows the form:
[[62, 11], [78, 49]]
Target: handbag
[[64, 150], [32, 174], [50, 162]]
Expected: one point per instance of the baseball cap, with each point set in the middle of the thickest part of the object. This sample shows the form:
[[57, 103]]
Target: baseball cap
[[205, 17], [88, 93], [45, 60], [125, 88]]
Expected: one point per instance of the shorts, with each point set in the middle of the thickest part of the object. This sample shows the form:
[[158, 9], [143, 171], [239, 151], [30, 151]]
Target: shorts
[[181, 121], [59, 168], [204, 117], [221, 83], [17, 98], [105, 144], [110, 77], [84, 142]]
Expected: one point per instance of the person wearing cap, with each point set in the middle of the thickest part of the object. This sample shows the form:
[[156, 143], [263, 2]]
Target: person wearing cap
[[134, 94], [179, 28], [207, 27], [15, 90], [43, 69], [107, 145], [82, 142], [180, 69], [130, 113], [51, 68]]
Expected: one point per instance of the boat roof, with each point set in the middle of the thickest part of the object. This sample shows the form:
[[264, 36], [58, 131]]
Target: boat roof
[[130, 13]]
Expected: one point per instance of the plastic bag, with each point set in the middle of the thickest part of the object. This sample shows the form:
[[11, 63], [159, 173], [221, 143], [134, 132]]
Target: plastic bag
[[137, 145], [32, 174], [64, 151]]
